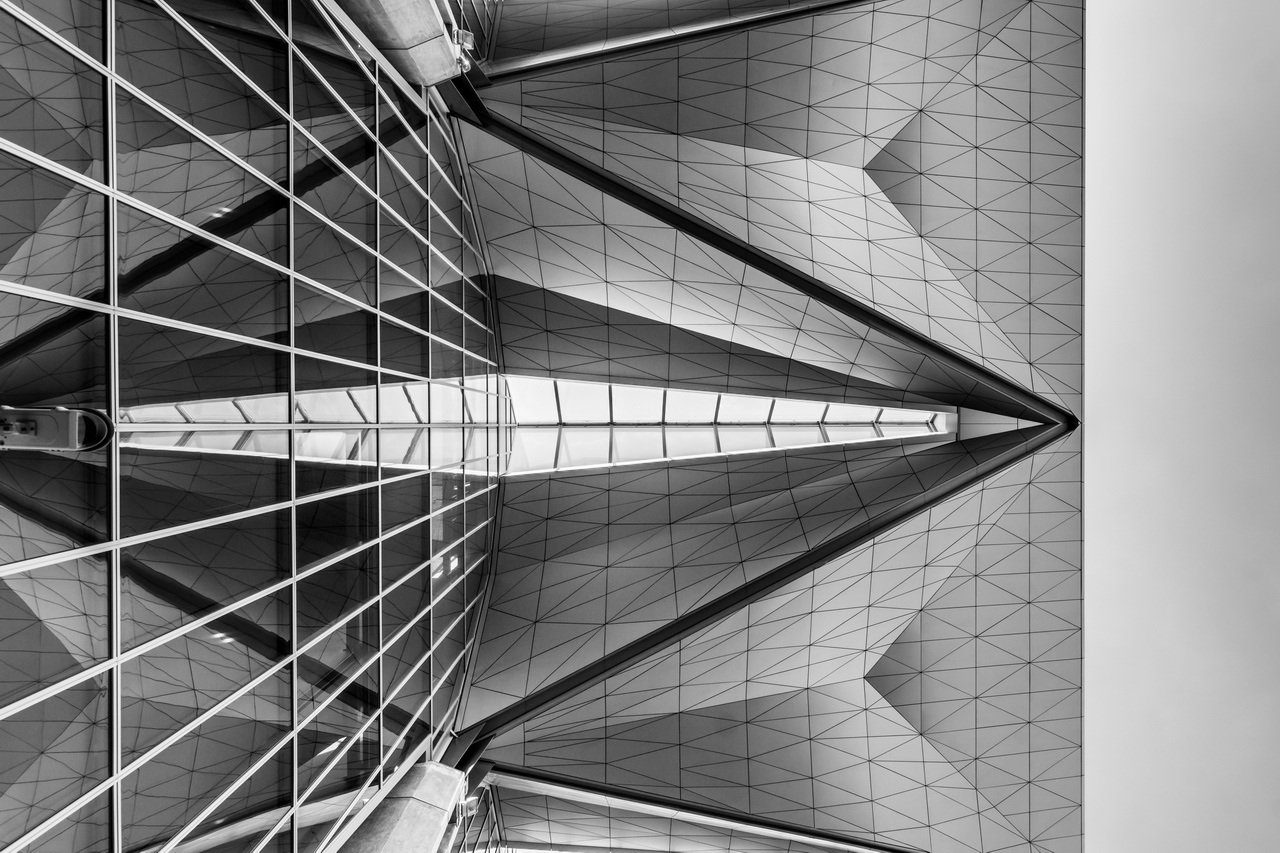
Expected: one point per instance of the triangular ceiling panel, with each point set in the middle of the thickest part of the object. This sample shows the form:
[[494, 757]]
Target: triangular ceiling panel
[[550, 229], [767, 713], [807, 200]]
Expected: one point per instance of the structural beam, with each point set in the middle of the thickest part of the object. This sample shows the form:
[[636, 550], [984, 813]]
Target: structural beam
[[565, 59]]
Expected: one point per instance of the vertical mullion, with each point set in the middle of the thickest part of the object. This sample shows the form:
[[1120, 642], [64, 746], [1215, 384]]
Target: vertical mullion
[[112, 359], [380, 156], [291, 225]]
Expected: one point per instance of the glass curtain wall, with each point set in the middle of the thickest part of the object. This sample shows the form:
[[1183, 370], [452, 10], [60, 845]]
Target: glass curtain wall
[[226, 227]]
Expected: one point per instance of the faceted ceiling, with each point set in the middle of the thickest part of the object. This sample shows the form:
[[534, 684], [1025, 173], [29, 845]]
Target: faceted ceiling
[[870, 203]]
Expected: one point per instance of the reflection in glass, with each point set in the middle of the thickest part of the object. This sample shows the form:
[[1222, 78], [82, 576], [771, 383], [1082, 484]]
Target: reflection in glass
[[334, 524], [163, 488], [326, 666], [326, 255], [167, 583], [319, 182], [327, 596], [87, 830], [253, 808], [164, 166], [174, 684], [336, 328], [334, 459], [160, 57], [334, 393], [77, 20], [236, 28], [51, 753], [176, 274], [165, 793], [51, 237], [51, 355], [51, 502], [53, 624], [50, 102], [160, 364]]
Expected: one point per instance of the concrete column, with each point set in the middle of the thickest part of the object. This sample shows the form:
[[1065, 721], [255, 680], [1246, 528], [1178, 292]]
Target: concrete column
[[411, 34], [412, 818]]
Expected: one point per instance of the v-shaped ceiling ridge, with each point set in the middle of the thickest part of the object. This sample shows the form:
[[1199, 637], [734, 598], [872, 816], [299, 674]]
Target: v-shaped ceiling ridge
[[1001, 393]]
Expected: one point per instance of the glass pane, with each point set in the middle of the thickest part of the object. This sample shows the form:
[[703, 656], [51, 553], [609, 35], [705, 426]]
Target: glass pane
[[327, 596], [849, 414], [863, 432], [334, 524], [329, 392], [164, 166], [744, 410], [691, 441], [160, 57], [168, 687], [406, 350], [406, 500], [335, 328], [324, 741], [167, 583], [319, 182], [51, 502], [638, 444], [796, 436], [174, 273], [690, 407], [583, 402], [51, 237], [581, 446], [533, 401], [324, 668], [240, 33], [635, 404], [744, 438], [51, 753], [163, 488], [405, 552], [50, 102], [797, 411], [238, 824], [325, 255], [334, 459], [166, 793], [53, 624]]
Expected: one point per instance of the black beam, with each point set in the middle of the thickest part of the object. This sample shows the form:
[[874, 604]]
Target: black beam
[[550, 62]]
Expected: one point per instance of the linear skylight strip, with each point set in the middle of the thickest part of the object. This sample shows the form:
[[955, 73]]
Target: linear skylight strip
[[564, 402], [546, 449]]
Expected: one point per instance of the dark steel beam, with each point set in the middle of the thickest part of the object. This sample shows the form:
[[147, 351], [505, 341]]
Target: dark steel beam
[[550, 62]]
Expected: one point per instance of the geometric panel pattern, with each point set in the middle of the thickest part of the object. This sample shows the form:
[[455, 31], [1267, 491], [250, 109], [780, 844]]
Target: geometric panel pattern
[[766, 133], [999, 199], [587, 563], [921, 160], [545, 332], [817, 705], [550, 229]]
